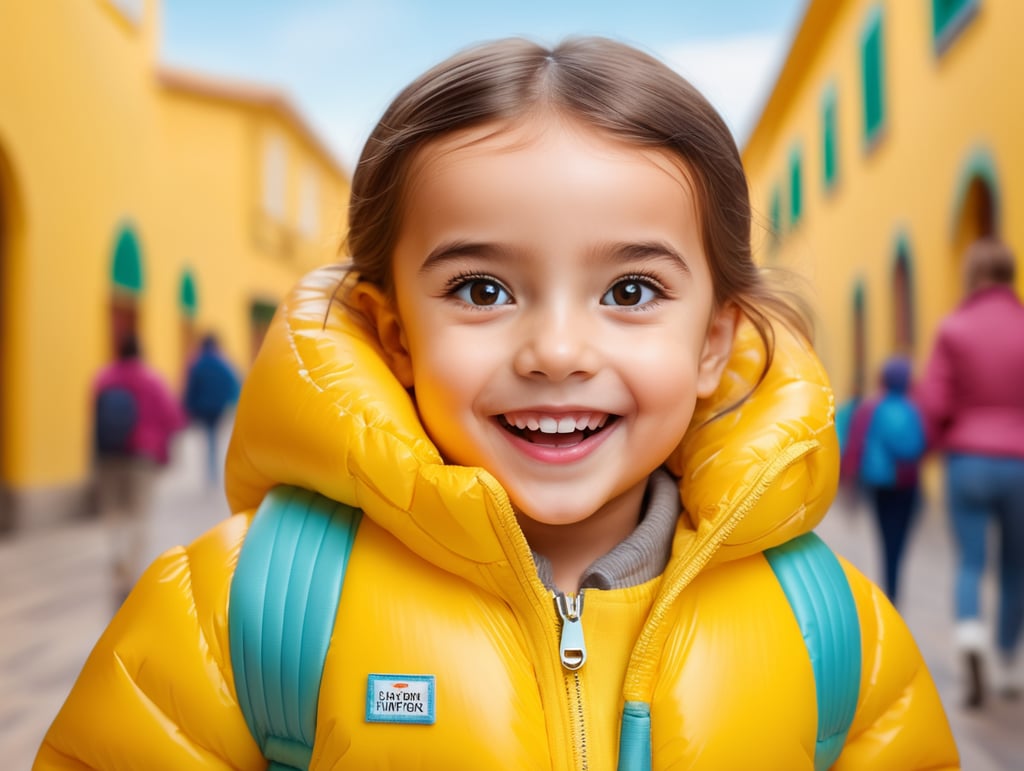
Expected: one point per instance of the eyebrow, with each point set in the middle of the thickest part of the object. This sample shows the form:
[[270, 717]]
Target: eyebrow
[[628, 252], [646, 250], [450, 251]]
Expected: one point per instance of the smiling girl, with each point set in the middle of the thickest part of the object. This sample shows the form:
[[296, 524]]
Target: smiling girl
[[577, 425]]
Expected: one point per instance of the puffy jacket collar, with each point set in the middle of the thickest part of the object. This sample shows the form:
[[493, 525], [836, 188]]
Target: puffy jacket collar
[[321, 410]]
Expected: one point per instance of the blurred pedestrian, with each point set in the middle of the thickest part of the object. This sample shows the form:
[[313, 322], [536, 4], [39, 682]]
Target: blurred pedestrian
[[972, 397], [211, 389], [844, 418], [882, 456], [135, 417]]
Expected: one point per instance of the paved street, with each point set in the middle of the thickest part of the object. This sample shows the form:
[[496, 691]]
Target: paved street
[[55, 597]]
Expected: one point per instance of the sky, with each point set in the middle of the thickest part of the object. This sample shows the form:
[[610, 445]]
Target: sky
[[340, 62]]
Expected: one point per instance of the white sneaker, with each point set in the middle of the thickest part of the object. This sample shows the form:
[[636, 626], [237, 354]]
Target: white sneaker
[[1008, 676], [971, 638], [971, 635]]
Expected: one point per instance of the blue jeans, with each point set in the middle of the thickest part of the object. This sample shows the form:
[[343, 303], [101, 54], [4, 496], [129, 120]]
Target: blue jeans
[[895, 508], [981, 490]]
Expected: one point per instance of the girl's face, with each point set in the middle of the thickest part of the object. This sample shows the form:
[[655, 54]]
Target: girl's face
[[553, 312]]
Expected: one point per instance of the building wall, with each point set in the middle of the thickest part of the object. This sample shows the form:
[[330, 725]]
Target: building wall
[[92, 142], [946, 114], [214, 162], [75, 130]]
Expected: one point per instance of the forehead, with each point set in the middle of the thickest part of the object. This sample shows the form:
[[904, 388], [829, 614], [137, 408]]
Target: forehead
[[495, 156]]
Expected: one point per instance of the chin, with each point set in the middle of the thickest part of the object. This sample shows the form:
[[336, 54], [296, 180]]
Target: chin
[[553, 514]]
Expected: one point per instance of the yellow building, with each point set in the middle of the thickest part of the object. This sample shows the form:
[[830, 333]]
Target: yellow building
[[132, 198], [891, 139]]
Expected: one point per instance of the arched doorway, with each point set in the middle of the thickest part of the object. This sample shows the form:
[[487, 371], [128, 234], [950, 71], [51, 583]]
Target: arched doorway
[[903, 327], [6, 517], [126, 281], [976, 213], [11, 228], [859, 345]]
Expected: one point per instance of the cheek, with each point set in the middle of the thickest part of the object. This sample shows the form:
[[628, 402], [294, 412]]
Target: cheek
[[663, 380]]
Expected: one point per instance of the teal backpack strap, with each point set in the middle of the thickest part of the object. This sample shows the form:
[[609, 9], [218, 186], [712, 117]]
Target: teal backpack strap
[[815, 585], [284, 597]]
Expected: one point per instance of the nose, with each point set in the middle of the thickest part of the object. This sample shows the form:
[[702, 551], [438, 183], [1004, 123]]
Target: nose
[[556, 345]]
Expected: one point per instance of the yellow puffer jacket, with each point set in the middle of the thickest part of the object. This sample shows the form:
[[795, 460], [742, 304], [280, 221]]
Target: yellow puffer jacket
[[442, 582]]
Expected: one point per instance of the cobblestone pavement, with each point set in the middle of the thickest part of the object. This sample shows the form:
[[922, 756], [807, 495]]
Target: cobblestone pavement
[[56, 599]]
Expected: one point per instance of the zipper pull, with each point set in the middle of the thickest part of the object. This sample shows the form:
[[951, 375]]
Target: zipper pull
[[572, 650]]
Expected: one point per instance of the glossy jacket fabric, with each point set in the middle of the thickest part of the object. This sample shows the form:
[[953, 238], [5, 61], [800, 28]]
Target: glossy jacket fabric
[[441, 582]]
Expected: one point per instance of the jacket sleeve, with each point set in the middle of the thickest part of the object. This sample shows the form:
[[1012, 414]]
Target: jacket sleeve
[[157, 691], [900, 721]]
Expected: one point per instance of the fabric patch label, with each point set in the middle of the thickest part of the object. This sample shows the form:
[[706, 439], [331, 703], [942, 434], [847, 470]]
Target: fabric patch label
[[400, 699]]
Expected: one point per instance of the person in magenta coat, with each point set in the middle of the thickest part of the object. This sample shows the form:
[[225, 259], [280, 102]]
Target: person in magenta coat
[[972, 399], [148, 415]]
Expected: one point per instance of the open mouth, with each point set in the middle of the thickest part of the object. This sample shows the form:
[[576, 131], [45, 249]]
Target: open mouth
[[556, 431]]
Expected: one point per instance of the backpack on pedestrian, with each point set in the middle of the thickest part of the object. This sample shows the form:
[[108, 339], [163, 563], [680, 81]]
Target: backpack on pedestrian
[[117, 415]]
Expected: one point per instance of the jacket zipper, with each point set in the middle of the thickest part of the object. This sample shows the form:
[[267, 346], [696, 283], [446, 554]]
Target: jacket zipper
[[572, 650]]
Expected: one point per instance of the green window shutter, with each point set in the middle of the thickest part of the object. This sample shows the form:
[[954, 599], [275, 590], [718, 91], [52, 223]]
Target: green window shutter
[[187, 299], [126, 267], [796, 193], [949, 17], [829, 141], [775, 210], [873, 72], [261, 312]]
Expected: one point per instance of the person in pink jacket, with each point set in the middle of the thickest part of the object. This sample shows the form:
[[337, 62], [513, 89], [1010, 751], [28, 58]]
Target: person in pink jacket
[[972, 399], [136, 416]]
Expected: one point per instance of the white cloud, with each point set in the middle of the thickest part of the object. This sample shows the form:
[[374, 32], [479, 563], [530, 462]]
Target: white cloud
[[735, 73], [312, 35]]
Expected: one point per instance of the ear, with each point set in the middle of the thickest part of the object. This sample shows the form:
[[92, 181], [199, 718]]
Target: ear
[[717, 348], [384, 323]]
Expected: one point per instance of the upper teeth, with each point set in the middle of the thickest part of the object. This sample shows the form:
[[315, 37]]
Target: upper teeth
[[547, 424]]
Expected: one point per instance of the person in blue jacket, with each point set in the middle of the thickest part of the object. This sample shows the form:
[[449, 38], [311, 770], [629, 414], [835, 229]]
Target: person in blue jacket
[[882, 455], [211, 389]]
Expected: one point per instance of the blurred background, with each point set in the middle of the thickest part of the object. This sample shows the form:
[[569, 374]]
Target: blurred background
[[169, 168]]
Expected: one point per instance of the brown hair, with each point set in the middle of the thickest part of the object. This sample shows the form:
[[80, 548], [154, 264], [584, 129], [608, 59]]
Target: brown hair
[[604, 84], [988, 261]]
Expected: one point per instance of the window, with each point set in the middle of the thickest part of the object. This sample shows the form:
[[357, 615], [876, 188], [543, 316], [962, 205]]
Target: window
[[126, 264], [829, 140], [902, 301], [860, 338], [275, 168], [309, 203], [796, 196], [949, 18], [873, 72], [188, 301], [775, 212]]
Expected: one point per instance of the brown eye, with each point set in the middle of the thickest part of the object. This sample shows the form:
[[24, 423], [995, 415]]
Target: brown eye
[[483, 292], [626, 293], [629, 292]]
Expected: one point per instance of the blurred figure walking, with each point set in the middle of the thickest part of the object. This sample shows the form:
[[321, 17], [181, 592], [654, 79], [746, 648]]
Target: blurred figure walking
[[211, 389], [882, 455], [135, 417], [972, 398]]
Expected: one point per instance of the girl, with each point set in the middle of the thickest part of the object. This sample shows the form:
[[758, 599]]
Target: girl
[[573, 418]]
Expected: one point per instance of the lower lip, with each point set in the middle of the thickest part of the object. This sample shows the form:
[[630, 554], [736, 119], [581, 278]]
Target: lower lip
[[560, 455]]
